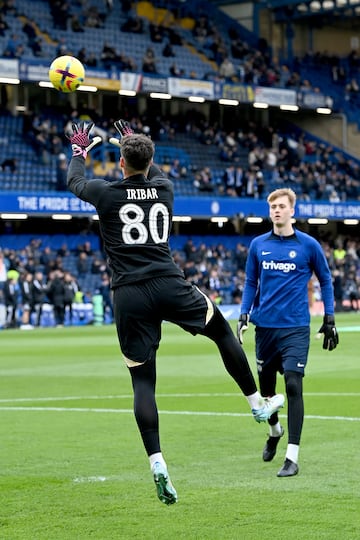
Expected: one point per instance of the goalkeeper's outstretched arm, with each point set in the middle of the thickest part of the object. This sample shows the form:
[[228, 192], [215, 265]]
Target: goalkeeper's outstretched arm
[[125, 130]]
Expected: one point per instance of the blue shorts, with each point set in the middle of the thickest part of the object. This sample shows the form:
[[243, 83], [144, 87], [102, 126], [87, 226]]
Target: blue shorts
[[282, 349]]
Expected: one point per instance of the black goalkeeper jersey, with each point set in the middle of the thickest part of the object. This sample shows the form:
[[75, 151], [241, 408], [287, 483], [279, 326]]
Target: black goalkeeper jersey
[[135, 221]]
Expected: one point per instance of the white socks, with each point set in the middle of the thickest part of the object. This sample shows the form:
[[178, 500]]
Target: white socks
[[256, 401], [292, 452], [275, 431], [157, 457]]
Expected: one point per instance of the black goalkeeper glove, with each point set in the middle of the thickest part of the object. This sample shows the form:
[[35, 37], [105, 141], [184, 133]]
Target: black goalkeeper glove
[[124, 128], [328, 328], [80, 142], [242, 326]]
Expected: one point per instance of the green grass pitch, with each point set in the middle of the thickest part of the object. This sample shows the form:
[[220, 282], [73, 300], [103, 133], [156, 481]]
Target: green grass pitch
[[72, 466]]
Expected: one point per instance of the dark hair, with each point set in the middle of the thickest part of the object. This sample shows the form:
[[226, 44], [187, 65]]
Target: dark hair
[[138, 151]]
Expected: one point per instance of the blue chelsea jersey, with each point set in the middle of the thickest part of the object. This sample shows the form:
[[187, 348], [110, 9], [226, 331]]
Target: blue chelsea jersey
[[278, 270]]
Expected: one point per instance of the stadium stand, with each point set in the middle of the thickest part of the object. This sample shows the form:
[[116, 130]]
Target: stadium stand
[[192, 30], [54, 31], [36, 166], [200, 34], [30, 172], [34, 150], [215, 263]]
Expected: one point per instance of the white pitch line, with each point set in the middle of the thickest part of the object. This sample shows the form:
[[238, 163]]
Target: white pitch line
[[178, 413], [61, 398], [130, 396], [91, 479]]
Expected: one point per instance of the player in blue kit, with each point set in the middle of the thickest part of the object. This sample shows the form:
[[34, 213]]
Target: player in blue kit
[[275, 299]]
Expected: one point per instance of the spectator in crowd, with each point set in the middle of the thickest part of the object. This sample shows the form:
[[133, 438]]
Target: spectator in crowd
[[352, 290], [14, 47], [37, 46], [250, 182], [339, 254], [9, 7], [25, 286], [105, 291], [351, 90], [108, 56], [176, 71], [56, 295], [260, 184], [91, 60], [60, 12], [233, 181], [61, 168], [30, 30], [63, 250], [177, 170], [4, 266], [75, 23], [227, 70], [338, 290], [82, 55], [9, 164], [11, 298], [64, 47], [85, 248], [71, 287], [98, 265], [47, 258], [204, 180], [149, 61], [3, 25], [93, 18], [39, 291], [82, 264], [157, 33], [167, 50], [133, 24], [202, 29]]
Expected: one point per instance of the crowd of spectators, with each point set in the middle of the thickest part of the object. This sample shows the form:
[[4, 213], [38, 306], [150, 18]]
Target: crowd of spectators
[[231, 57], [37, 275], [251, 159], [312, 168]]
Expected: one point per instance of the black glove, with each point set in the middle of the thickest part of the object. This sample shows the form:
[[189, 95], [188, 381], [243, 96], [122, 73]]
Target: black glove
[[80, 142], [242, 326], [124, 128], [328, 328]]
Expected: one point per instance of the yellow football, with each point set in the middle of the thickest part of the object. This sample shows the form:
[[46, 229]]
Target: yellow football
[[66, 73]]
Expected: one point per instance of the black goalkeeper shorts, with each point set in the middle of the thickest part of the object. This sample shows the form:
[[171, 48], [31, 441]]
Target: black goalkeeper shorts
[[140, 308]]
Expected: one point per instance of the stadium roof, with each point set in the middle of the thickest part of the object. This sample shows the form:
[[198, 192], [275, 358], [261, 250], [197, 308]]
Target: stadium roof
[[317, 10]]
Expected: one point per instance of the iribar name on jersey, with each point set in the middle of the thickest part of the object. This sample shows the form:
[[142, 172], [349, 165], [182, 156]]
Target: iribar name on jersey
[[141, 194]]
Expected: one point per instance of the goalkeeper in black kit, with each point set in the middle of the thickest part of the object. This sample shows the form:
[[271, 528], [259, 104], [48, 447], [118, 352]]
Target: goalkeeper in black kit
[[135, 216]]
